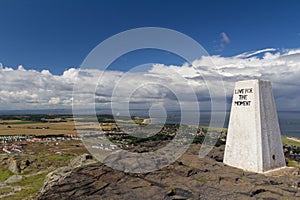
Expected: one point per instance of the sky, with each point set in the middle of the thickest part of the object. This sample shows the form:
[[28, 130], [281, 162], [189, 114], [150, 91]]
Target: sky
[[43, 44]]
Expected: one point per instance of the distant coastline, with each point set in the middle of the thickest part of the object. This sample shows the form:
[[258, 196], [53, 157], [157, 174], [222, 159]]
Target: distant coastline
[[289, 121]]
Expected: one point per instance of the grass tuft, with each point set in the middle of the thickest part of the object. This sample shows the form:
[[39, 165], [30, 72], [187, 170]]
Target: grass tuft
[[5, 174], [30, 187]]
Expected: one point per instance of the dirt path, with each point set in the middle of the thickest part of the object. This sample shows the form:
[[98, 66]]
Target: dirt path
[[294, 139]]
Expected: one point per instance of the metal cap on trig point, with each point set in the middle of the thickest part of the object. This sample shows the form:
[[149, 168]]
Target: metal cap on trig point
[[253, 139]]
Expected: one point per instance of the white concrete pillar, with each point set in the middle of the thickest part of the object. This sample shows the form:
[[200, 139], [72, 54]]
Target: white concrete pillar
[[253, 139]]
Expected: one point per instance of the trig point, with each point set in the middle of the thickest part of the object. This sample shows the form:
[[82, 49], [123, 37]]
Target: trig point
[[253, 139]]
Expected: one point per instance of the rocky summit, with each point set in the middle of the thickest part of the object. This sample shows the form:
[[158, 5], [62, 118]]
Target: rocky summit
[[188, 178]]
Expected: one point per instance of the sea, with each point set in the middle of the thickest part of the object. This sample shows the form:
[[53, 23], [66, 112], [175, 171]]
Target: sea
[[289, 122]]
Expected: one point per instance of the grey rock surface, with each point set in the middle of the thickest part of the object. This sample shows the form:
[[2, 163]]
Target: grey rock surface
[[14, 179], [188, 178], [61, 173]]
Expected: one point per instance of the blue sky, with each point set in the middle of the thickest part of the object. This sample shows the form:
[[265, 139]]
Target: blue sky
[[51, 38], [57, 35]]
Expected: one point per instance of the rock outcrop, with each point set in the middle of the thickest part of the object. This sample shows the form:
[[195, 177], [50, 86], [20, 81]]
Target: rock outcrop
[[188, 178], [61, 173], [15, 164], [14, 179]]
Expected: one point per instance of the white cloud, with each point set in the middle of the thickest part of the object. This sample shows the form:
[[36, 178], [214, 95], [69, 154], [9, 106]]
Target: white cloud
[[224, 38], [54, 100], [222, 42], [30, 89], [253, 53]]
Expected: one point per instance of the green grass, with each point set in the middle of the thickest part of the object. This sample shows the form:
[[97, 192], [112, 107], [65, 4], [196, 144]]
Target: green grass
[[4, 174], [53, 157], [201, 180], [242, 175], [5, 190], [205, 128], [291, 163], [171, 189], [285, 140], [60, 157], [30, 186]]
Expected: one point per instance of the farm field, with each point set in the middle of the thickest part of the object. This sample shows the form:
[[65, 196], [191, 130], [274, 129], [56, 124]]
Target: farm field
[[19, 127]]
